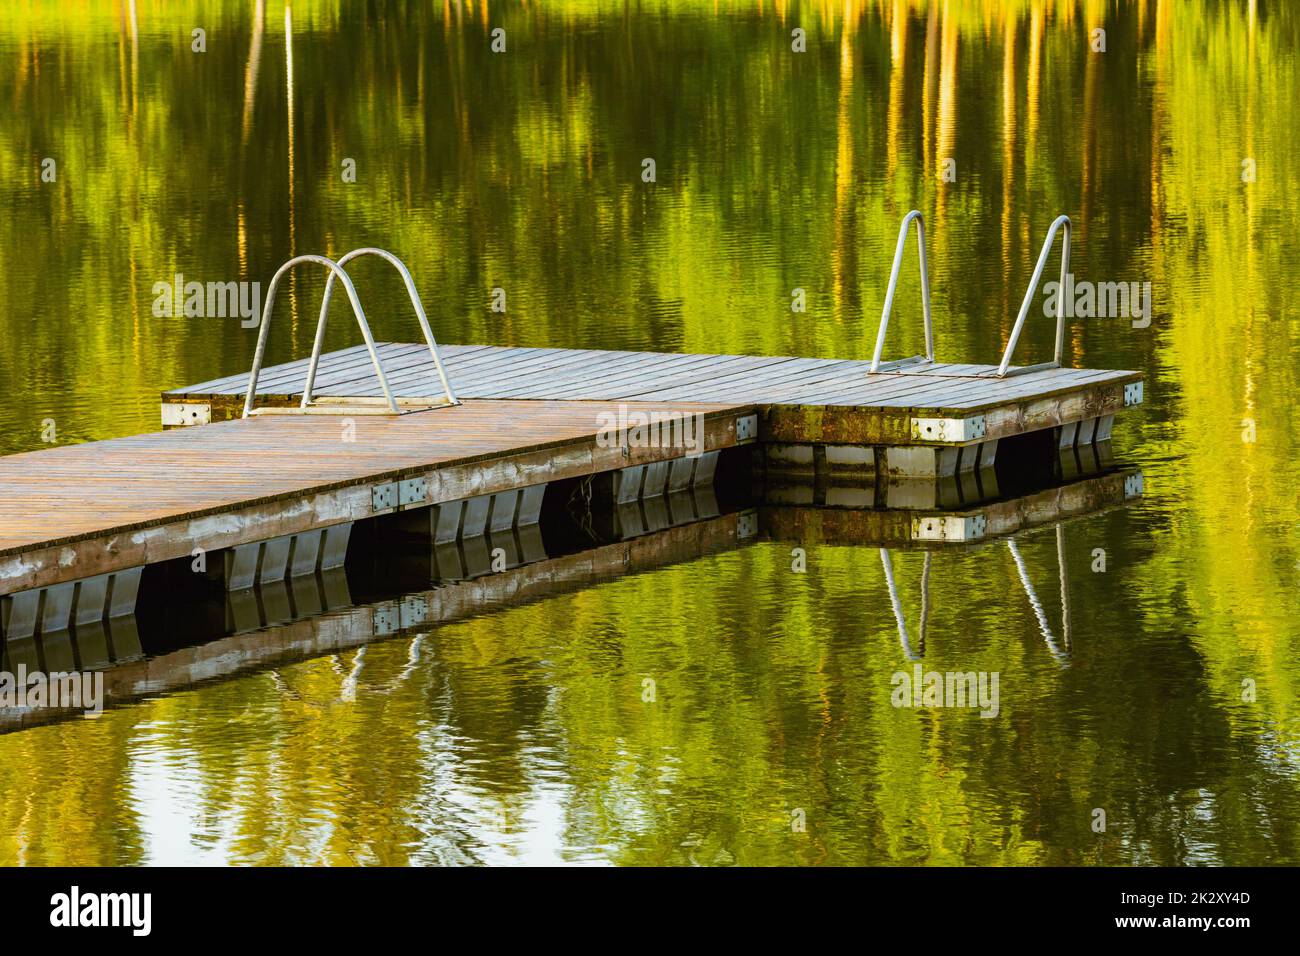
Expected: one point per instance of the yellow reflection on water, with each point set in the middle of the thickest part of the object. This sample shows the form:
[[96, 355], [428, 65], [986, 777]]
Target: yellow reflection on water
[[774, 174]]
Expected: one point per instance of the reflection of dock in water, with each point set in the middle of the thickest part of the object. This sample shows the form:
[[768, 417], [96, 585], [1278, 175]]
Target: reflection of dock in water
[[787, 516], [408, 579], [925, 527], [914, 650], [88, 647], [278, 623]]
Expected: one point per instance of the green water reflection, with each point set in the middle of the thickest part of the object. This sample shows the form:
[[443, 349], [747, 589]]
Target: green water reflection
[[524, 735]]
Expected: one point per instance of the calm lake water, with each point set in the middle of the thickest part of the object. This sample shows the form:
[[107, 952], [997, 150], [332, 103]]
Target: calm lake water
[[525, 735]]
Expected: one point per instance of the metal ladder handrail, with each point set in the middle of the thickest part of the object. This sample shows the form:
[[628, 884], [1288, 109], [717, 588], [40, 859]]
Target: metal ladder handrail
[[1029, 298], [915, 214], [259, 354], [416, 303]]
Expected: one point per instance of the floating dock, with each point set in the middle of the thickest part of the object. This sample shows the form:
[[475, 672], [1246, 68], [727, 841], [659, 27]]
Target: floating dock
[[268, 496], [260, 479], [271, 496], [905, 404], [239, 517]]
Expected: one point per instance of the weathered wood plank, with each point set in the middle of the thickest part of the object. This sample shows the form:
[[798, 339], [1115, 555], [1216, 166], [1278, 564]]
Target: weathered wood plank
[[545, 374], [804, 400], [77, 510]]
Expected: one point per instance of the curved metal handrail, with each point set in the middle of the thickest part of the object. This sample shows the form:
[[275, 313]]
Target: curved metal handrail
[[915, 214], [335, 270], [415, 302], [1029, 298]]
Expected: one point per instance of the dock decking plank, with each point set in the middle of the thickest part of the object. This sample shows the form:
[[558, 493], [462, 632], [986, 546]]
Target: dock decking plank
[[63, 493], [631, 383], [502, 368], [832, 400], [547, 374]]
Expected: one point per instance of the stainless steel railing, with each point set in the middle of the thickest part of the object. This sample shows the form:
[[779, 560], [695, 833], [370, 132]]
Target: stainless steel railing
[[336, 271], [415, 303], [914, 215], [260, 353], [1029, 298]]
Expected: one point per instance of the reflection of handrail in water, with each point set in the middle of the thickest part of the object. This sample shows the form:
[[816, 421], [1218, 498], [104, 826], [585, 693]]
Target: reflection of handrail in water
[[412, 658], [898, 605], [1037, 605], [925, 602], [348, 691], [1065, 585], [915, 654]]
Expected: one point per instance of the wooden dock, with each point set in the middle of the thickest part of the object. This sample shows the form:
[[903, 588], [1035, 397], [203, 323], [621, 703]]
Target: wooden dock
[[267, 498], [274, 496], [803, 400]]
